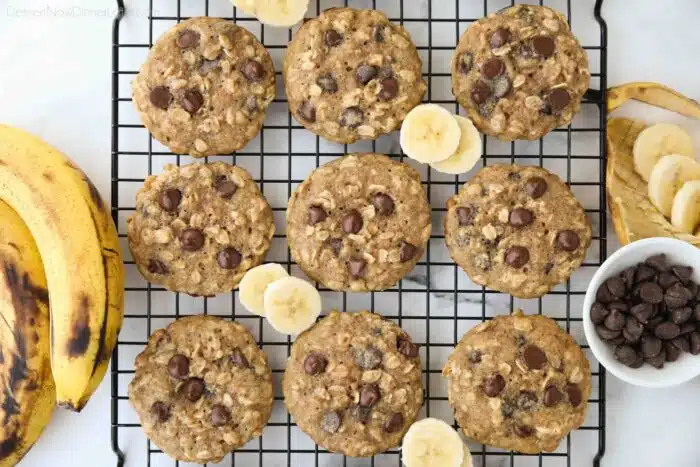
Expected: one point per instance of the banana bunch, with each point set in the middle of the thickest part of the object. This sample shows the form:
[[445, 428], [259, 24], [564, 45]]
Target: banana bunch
[[78, 244], [28, 398]]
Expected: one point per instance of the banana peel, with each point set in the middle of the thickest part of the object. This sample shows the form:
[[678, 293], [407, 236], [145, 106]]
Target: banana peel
[[633, 215]]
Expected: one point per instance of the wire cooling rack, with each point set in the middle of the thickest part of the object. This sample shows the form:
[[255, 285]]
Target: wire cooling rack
[[436, 303]]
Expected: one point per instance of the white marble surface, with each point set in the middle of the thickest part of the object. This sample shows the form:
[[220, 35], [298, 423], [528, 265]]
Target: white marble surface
[[55, 81]]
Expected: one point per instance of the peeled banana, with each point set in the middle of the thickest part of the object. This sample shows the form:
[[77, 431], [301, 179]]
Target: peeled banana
[[667, 177], [429, 134], [78, 243], [251, 290], [28, 396], [468, 151], [291, 305], [685, 212], [430, 443], [658, 141]]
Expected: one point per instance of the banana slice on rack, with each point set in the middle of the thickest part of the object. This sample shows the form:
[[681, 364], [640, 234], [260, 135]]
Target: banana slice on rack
[[251, 290], [685, 213], [657, 141], [468, 152], [282, 13], [432, 442], [291, 305], [430, 133], [667, 177]]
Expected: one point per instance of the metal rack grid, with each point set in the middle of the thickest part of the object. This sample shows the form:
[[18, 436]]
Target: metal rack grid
[[436, 303]]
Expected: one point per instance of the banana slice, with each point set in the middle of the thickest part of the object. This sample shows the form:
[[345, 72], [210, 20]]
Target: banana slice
[[467, 461], [657, 141], [468, 152], [291, 305], [667, 177], [431, 442], [685, 213], [282, 13], [430, 133], [251, 290]]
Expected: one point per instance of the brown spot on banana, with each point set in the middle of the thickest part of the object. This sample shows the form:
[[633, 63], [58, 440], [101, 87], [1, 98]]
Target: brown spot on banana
[[48, 176], [94, 193], [80, 331], [9, 445]]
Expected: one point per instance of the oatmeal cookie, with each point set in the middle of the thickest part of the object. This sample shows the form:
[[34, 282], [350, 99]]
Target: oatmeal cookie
[[517, 230], [352, 74], [359, 223], [353, 383], [198, 228], [205, 87], [519, 383], [520, 72], [202, 388]]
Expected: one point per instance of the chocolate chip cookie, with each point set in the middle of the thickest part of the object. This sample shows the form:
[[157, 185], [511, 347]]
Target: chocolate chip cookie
[[198, 228], [353, 383], [359, 223], [202, 388], [518, 382], [520, 72], [205, 87], [352, 74], [517, 230]]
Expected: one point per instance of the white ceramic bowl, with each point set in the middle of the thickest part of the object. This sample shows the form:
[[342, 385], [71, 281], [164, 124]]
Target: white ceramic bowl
[[687, 366]]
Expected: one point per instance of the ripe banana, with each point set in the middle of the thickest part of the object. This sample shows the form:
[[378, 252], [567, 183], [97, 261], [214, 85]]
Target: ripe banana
[[429, 134], [28, 396], [685, 212], [251, 290], [283, 13], [80, 250], [667, 177], [658, 141], [431, 442], [291, 305], [468, 152]]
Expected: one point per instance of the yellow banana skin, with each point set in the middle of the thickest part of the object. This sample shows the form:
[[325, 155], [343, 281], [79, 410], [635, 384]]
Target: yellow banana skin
[[28, 396], [78, 244]]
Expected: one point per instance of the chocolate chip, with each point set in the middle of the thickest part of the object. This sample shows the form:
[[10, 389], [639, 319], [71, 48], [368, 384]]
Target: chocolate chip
[[644, 273], [520, 217], [327, 83], [378, 33], [625, 354], [220, 415], [695, 343], [682, 342], [650, 346], [407, 348], [501, 86], [466, 61], [657, 361], [603, 294], [574, 393], [672, 352], [657, 262], [229, 258], [169, 199], [534, 357], [638, 363], [160, 411], [352, 222], [192, 100], [160, 97], [156, 266], [191, 239], [696, 313], [558, 99], [408, 252], [615, 321], [524, 431], [475, 356], [548, 267], [552, 396], [192, 389], [465, 215], [480, 92], [628, 276], [331, 422], [517, 256], [633, 330], [179, 366], [666, 280], [619, 306], [365, 73], [667, 331], [316, 215], [677, 296], [226, 188], [383, 204], [568, 240], [527, 400], [394, 423], [616, 286], [681, 315], [543, 46], [315, 363], [643, 312], [356, 267], [499, 38], [336, 245], [307, 111], [683, 273], [352, 117], [362, 414], [493, 385], [598, 313], [653, 322], [188, 38], [388, 89], [238, 359], [333, 38], [535, 187], [689, 327], [369, 395], [605, 333], [368, 358], [492, 68], [651, 293]]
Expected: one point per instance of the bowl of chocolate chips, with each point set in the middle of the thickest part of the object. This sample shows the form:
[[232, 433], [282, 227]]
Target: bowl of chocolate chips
[[641, 313]]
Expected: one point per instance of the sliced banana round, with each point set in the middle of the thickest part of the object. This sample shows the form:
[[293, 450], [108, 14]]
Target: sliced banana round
[[667, 177], [251, 290], [429, 133], [468, 152], [282, 13], [431, 442], [291, 305], [658, 141], [685, 213]]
